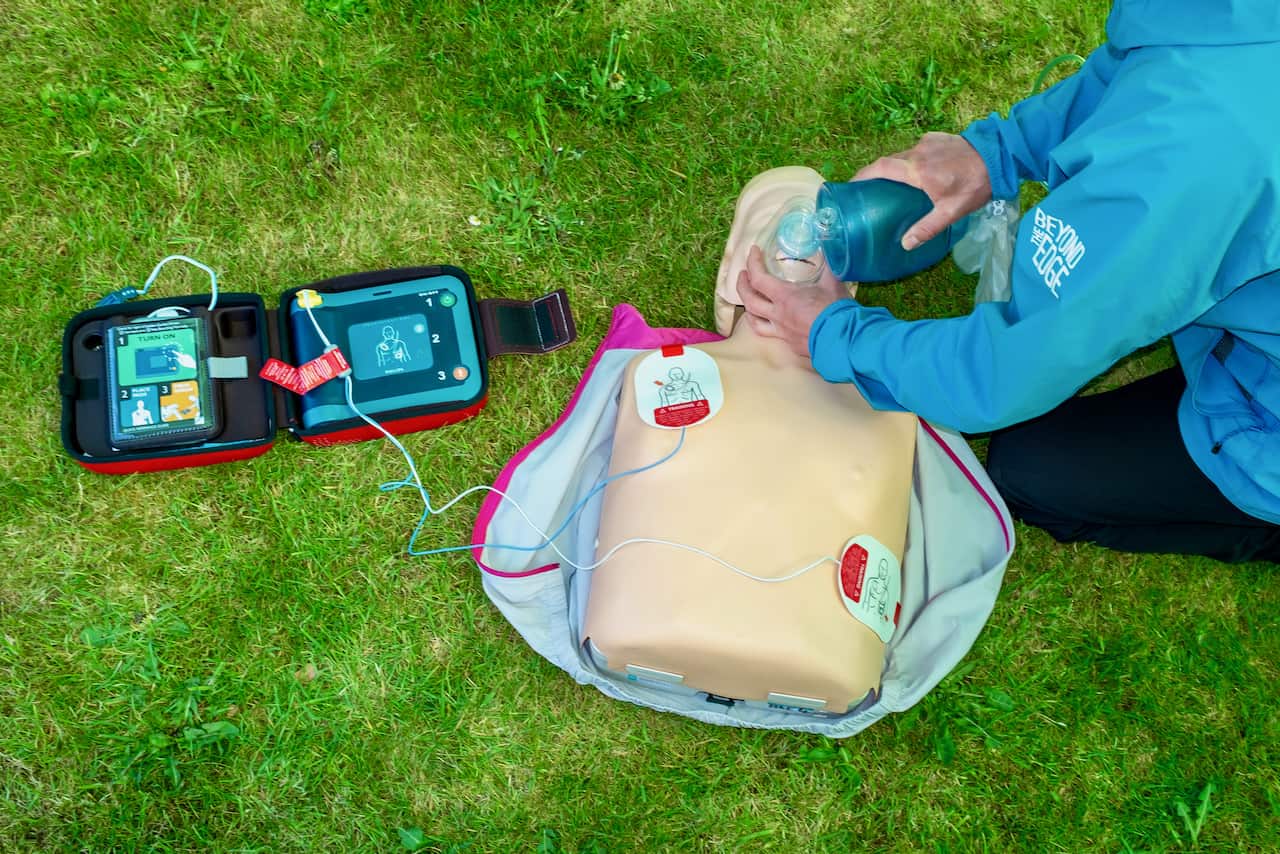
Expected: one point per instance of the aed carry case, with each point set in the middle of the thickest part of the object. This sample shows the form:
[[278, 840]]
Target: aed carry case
[[170, 383]]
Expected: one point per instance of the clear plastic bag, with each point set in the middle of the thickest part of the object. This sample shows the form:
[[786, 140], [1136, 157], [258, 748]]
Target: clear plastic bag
[[987, 248]]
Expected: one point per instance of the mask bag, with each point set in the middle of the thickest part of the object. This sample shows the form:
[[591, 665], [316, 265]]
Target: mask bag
[[959, 539]]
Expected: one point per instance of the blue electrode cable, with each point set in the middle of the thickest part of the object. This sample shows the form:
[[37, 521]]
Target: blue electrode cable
[[548, 540], [126, 294]]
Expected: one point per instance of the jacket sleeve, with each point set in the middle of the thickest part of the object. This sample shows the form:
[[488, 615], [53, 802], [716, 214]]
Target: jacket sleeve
[[1017, 149], [1115, 258]]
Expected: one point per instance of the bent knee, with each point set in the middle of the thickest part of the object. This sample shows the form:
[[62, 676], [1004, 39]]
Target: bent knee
[[1023, 473]]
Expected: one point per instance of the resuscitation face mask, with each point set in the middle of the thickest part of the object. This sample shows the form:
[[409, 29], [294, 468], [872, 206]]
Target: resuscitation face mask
[[855, 229], [791, 246]]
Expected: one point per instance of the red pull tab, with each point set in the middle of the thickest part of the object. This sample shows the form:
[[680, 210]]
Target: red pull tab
[[323, 368], [280, 373], [853, 570], [301, 380]]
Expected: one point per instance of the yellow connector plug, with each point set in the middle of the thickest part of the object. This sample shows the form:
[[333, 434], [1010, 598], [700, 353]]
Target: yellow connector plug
[[308, 298]]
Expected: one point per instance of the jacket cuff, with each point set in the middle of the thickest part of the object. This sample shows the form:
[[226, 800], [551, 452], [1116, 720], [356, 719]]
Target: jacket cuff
[[984, 136], [828, 349]]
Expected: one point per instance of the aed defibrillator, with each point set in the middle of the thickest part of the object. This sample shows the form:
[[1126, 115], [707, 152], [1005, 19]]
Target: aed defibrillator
[[168, 383]]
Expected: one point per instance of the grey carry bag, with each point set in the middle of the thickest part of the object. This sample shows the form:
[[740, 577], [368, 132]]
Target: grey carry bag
[[959, 539]]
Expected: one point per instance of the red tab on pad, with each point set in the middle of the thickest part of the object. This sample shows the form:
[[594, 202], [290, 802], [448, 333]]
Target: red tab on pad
[[301, 380], [682, 414], [853, 570], [672, 349]]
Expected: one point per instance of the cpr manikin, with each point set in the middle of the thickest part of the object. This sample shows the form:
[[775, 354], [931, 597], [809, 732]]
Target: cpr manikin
[[788, 470]]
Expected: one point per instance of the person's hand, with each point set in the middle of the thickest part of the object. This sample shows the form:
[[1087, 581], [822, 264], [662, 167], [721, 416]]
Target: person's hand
[[948, 169], [781, 309]]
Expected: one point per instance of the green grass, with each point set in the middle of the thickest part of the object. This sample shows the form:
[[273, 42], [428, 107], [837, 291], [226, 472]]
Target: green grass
[[242, 658]]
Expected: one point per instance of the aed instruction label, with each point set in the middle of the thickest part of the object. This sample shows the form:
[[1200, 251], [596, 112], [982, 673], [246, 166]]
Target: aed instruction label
[[678, 386]]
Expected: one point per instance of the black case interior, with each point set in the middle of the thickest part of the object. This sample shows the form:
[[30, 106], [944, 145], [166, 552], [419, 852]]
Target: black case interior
[[236, 328]]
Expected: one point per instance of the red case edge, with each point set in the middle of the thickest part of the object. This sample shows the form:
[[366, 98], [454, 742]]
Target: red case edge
[[184, 461], [396, 428]]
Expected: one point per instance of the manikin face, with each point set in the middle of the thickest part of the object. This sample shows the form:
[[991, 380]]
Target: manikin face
[[762, 199]]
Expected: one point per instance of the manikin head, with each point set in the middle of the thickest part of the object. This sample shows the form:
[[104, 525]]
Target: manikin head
[[763, 201]]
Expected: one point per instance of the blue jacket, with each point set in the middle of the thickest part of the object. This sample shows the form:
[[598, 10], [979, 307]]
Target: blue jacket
[[1162, 155]]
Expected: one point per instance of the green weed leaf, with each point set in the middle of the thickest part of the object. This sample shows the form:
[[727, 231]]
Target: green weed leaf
[[608, 90], [998, 699], [550, 843], [915, 101], [340, 11], [819, 754], [97, 636], [412, 838], [945, 746], [1195, 825]]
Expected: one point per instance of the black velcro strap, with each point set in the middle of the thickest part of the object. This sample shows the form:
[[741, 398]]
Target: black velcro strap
[[67, 385], [73, 388], [530, 327]]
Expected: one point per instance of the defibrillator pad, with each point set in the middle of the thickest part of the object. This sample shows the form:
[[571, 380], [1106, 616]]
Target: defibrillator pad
[[159, 389]]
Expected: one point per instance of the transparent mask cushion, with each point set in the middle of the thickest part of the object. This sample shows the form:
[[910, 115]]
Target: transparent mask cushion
[[797, 234], [790, 242]]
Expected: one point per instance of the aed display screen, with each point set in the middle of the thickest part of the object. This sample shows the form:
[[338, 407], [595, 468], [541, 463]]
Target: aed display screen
[[395, 345], [410, 344]]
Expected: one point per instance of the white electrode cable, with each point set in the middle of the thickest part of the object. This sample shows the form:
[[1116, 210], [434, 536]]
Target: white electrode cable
[[125, 294], [213, 277]]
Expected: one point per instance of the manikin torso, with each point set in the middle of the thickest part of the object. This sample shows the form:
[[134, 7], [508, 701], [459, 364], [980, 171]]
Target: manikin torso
[[784, 474]]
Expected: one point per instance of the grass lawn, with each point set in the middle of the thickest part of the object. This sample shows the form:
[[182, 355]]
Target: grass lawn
[[243, 657]]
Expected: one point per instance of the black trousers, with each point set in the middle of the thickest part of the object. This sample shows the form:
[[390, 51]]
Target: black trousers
[[1112, 469]]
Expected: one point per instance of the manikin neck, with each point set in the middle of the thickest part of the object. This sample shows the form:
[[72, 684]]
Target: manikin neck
[[772, 351]]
